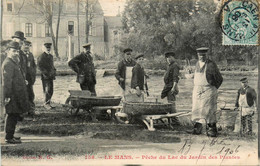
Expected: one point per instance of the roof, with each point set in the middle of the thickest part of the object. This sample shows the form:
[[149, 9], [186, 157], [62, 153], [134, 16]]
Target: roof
[[114, 21]]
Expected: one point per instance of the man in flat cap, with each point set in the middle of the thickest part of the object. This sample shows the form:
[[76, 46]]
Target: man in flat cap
[[207, 79], [124, 71], [14, 92], [246, 103], [171, 79], [19, 37], [139, 78], [30, 74], [48, 74], [83, 65]]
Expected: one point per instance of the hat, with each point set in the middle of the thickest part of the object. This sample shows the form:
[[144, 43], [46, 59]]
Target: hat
[[47, 45], [27, 43], [243, 80], [86, 45], [168, 54], [127, 50], [202, 50], [19, 35], [139, 56], [14, 45]]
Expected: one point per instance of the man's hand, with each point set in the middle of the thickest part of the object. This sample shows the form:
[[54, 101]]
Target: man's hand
[[26, 82], [121, 79], [138, 91], [7, 100]]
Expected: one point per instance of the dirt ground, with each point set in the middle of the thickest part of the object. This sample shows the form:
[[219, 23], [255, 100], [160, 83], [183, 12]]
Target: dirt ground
[[60, 138]]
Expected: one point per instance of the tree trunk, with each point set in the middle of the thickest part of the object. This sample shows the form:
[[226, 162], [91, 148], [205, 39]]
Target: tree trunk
[[78, 26], [87, 22], [57, 29]]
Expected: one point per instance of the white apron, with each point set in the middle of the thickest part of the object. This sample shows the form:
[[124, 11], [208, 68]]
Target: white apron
[[246, 109], [204, 99], [128, 77]]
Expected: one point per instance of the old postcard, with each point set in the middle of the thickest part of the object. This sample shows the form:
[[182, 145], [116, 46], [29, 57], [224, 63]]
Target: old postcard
[[129, 82]]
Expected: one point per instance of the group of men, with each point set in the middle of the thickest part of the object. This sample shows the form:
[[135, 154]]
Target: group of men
[[18, 78], [19, 74]]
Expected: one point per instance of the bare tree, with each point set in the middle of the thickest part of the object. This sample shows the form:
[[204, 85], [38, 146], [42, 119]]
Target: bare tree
[[46, 9], [78, 25], [90, 7]]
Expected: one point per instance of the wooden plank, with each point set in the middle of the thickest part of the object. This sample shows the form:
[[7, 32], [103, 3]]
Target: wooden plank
[[162, 116]]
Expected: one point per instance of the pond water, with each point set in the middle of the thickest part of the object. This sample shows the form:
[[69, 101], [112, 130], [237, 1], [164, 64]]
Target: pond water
[[109, 86]]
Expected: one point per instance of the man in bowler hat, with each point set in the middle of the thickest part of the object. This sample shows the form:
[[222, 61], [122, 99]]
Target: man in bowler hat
[[14, 92], [19, 37], [30, 74], [83, 65], [48, 73]]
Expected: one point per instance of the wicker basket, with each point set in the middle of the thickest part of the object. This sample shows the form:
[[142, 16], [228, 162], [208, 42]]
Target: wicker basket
[[146, 108]]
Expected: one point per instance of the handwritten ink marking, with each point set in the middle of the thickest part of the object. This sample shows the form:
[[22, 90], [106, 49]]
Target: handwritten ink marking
[[186, 145]]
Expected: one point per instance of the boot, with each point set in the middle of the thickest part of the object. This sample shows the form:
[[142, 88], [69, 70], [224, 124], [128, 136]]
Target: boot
[[197, 128], [212, 130]]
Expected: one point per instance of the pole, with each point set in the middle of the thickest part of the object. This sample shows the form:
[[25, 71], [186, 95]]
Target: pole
[[1, 87], [69, 43], [78, 27]]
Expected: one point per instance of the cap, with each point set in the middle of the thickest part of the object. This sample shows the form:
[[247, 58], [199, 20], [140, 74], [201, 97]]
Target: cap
[[47, 45], [127, 50], [168, 54], [139, 56], [14, 45], [202, 50], [27, 43], [243, 80], [86, 45], [19, 35]]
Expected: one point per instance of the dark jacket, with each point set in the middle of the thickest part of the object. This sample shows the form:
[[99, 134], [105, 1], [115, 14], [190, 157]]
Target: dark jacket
[[83, 64], [121, 71], [137, 77], [31, 68], [23, 62], [250, 95], [46, 66], [213, 75], [14, 87], [171, 75]]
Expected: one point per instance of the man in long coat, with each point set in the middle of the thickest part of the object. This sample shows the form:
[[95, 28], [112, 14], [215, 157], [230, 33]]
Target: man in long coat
[[48, 73], [15, 94], [30, 73], [83, 65], [19, 37], [207, 79]]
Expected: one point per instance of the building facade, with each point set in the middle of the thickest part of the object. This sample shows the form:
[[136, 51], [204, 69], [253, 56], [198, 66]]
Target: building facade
[[29, 16]]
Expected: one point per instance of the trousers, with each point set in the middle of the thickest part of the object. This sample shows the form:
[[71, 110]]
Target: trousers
[[10, 124], [47, 90], [90, 87]]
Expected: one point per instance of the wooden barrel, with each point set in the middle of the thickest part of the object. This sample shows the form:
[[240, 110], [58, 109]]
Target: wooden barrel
[[146, 108]]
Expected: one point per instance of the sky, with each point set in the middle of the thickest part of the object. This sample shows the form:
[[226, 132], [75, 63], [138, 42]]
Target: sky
[[111, 7]]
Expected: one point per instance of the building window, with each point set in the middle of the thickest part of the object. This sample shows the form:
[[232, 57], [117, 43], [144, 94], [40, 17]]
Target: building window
[[9, 7], [28, 29], [47, 31], [71, 27]]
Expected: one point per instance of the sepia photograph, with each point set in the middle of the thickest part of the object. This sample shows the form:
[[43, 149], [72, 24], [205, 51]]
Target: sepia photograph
[[129, 82]]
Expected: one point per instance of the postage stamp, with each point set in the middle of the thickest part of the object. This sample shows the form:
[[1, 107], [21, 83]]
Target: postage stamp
[[240, 22]]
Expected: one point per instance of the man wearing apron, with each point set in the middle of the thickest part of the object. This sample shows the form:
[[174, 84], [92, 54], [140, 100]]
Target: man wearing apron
[[207, 79], [246, 102], [124, 71]]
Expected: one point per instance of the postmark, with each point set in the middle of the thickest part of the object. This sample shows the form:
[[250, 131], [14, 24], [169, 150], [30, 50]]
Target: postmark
[[240, 22]]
